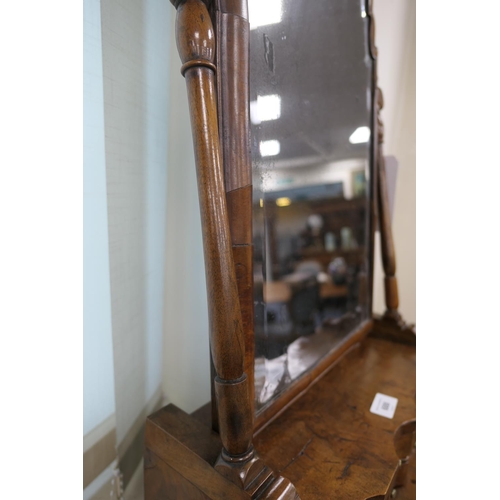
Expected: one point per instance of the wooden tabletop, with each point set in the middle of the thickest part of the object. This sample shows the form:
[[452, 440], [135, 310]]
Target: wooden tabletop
[[328, 443]]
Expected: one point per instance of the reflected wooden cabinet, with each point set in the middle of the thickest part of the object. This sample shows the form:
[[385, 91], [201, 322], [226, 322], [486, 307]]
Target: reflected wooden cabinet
[[313, 396]]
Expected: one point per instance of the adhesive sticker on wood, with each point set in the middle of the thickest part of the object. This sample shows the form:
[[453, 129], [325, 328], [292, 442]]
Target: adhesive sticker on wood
[[384, 405]]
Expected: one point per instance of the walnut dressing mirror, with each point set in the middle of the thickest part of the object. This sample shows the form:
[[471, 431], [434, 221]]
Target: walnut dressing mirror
[[313, 396], [311, 95]]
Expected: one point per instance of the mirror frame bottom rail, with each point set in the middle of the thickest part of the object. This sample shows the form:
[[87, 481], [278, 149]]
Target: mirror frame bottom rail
[[302, 384]]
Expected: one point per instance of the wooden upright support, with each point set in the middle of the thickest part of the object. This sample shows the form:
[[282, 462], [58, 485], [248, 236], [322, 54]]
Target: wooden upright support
[[390, 325], [238, 460], [387, 242]]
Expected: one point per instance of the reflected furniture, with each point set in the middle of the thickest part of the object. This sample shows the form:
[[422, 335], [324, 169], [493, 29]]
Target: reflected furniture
[[290, 198]]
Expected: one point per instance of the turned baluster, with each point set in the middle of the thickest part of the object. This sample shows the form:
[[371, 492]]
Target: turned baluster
[[387, 241], [196, 45]]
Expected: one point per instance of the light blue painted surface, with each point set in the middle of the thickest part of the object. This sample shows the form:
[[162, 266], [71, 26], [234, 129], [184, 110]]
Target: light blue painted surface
[[135, 54], [98, 375], [156, 57]]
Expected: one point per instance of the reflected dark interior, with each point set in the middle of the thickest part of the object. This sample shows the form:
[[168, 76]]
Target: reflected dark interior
[[310, 92], [309, 265]]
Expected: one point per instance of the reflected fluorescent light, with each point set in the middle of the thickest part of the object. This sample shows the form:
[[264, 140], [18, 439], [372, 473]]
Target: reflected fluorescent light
[[265, 108], [363, 9], [283, 202], [269, 148], [261, 203], [264, 12], [360, 135]]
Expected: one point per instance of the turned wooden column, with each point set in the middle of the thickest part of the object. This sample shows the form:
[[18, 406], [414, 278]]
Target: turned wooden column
[[238, 461], [386, 239], [196, 45]]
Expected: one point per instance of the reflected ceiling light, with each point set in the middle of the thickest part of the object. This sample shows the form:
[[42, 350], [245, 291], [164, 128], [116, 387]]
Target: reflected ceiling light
[[360, 135], [265, 108], [261, 203], [264, 12], [269, 148], [283, 202]]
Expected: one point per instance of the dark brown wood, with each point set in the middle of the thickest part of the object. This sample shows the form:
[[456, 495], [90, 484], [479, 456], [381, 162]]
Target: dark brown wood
[[180, 462], [237, 461], [195, 41], [320, 433], [393, 329], [232, 28], [386, 239], [328, 443], [300, 386], [162, 481], [391, 326], [174, 440]]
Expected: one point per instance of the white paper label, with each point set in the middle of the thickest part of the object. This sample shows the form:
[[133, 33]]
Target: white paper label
[[384, 405]]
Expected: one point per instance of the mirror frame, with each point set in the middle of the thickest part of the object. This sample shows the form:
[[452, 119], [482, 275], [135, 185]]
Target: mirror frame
[[216, 69], [232, 62]]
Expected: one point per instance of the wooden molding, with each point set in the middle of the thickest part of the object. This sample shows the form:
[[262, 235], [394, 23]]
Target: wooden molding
[[301, 385]]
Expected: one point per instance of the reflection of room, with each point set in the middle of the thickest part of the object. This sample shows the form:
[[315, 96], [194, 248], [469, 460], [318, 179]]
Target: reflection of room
[[310, 139], [310, 265], [310, 250]]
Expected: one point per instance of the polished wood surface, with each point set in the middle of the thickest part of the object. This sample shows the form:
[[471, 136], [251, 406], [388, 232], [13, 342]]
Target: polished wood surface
[[238, 460], [232, 57], [319, 438], [181, 458], [175, 441], [387, 242], [196, 45], [300, 386], [328, 443]]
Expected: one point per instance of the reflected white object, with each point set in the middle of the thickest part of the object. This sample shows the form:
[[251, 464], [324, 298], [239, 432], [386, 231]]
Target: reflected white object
[[269, 148], [346, 238], [265, 108], [264, 12], [360, 135], [315, 221], [329, 242]]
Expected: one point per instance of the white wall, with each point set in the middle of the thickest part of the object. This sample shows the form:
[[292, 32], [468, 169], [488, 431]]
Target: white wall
[[98, 376]]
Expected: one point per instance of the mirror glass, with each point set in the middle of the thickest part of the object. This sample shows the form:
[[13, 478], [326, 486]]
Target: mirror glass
[[310, 109]]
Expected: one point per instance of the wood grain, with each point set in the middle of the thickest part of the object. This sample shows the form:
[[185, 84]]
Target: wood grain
[[191, 450], [328, 443], [196, 45], [237, 461], [232, 38]]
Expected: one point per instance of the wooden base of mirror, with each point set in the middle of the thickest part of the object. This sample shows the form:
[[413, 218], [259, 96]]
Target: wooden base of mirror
[[391, 326], [182, 460], [327, 444]]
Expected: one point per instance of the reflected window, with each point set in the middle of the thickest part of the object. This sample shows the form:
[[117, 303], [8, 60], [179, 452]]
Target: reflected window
[[264, 12]]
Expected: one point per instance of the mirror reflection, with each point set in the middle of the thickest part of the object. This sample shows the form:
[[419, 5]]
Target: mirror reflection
[[310, 110]]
